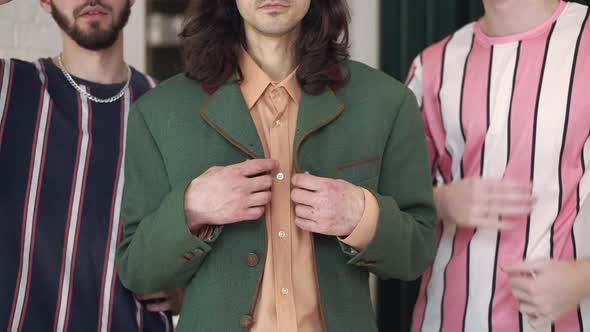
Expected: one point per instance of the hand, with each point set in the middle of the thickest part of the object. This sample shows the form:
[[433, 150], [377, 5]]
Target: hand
[[326, 206], [170, 300], [476, 202], [4, 1], [224, 195], [547, 289]]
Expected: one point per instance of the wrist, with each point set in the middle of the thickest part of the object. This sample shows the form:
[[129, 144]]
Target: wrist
[[584, 270], [192, 222], [439, 193], [193, 226]]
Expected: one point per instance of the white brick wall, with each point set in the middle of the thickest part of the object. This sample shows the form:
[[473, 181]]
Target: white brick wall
[[27, 32], [364, 31]]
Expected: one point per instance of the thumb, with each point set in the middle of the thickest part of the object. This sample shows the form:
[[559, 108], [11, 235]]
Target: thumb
[[525, 266]]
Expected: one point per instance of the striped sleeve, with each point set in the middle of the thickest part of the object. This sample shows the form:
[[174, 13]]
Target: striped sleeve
[[414, 82], [6, 74]]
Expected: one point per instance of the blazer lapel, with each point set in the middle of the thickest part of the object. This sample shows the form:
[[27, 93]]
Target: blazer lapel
[[315, 112], [227, 112]]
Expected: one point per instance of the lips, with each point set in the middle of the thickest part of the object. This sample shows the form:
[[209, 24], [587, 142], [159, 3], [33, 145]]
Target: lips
[[93, 11], [274, 6]]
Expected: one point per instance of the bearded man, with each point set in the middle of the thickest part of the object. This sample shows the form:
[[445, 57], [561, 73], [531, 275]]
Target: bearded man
[[62, 140]]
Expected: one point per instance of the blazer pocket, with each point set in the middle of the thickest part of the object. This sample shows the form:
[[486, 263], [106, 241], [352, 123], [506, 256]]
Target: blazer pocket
[[362, 173]]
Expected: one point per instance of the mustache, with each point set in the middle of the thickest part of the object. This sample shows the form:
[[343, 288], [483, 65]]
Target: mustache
[[91, 3]]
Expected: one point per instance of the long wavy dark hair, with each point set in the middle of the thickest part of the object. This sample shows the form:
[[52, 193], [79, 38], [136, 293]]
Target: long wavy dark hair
[[214, 33]]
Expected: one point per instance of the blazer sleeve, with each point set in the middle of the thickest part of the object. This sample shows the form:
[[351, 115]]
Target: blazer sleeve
[[404, 243], [157, 251]]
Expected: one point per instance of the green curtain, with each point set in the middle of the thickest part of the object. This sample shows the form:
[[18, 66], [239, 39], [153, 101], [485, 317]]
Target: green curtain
[[407, 27]]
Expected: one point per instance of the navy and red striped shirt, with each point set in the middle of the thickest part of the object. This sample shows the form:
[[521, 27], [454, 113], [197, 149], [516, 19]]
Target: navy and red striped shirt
[[61, 181]]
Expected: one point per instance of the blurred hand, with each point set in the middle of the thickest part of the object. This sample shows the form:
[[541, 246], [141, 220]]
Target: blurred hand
[[548, 289], [327, 206], [230, 194], [4, 1], [170, 300], [476, 202]]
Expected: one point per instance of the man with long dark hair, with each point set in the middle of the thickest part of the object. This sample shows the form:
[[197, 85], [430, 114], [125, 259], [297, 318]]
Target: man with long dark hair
[[62, 141], [506, 108], [335, 186]]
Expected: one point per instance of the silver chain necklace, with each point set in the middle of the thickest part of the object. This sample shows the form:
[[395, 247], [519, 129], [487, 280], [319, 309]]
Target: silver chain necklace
[[87, 94]]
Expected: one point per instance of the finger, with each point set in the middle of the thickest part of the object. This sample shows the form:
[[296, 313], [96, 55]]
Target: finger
[[504, 204], [254, 213], [535, 265], [528, 309], [256, 166], [259, 183], [159, 307], [522, 287], [539, 322], [511, 198], [507, 203], [508, 185], [259, 199], [522, 297], [305, 212], [509, 211], [306, 224], [308, 182], [144, 297], [304, 197], [492, 223]]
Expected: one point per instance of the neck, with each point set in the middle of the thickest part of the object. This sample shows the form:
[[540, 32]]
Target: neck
[[104, 67], [508, 17], [275, 55]]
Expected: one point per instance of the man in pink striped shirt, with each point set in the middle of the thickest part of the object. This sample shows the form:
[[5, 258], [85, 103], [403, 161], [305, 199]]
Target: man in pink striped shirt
[[507, 114]]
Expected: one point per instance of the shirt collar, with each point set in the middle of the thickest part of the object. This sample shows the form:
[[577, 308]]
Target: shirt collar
[[255, 81]]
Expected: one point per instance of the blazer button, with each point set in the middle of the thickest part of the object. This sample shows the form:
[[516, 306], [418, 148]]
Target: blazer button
[[246, 321], [252, 259], [187, 257]]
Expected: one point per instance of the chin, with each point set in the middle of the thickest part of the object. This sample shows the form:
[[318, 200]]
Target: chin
[[274, 29], [93, 27]]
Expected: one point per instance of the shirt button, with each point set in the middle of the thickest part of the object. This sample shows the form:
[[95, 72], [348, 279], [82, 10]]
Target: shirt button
[[280, 176], [285, 291], [282, 234]]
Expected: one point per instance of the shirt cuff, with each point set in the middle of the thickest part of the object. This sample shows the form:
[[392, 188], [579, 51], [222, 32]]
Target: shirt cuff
[[205, 233], [365, 230]]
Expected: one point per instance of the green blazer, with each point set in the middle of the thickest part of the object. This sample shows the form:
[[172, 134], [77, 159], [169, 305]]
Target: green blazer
[[368, 132]]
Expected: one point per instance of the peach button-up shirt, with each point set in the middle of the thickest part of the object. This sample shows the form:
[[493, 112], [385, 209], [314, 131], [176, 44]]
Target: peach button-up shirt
[[289, 295]]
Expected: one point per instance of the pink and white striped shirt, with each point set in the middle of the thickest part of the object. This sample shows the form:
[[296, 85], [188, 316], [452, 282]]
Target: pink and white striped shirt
[[514, 107]]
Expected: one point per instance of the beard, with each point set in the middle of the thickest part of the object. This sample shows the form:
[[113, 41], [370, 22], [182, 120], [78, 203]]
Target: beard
[[95, 39]]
